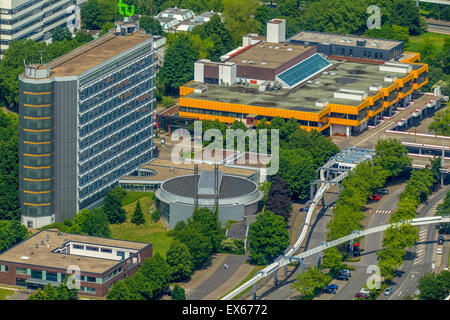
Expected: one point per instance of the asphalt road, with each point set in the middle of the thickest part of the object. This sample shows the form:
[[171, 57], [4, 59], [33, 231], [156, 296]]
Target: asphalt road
[[420, 258], [316, 236], [372, 243]]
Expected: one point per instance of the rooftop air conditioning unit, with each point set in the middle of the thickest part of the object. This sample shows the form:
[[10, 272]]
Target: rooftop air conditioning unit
[[375, 87], [322, 102]]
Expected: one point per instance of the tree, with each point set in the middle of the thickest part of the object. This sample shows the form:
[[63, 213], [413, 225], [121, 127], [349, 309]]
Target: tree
[[83, 37], [278, 200], [332, 259], [11, 233], [298, 170], [268, 238], [106, 27], [138, 216], [61, 34], [434, 286], [119, 192], [392, 156], [150, 25], [157, 272], [155, 215], [96, 224], [208, 224], [386, 31], [178, 293], [90, 15], [178, 67], [199, 245], [113, 209], [180, 261], [311, 282], [238, 17], [121, 291], [441, 123], [436, 167]]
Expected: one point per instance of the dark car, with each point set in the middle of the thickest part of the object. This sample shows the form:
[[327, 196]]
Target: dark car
[[356, 253], [362, 295], [441, 239], [329, 290], [346, 271], [383, 191], [342, 276]]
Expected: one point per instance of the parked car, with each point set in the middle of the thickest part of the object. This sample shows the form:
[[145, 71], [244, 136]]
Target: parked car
[[364, 290], [329, 290], [384, 191], [417, 293], [441, 239], [388, 291], [333, 286], [439, 251], [356, 253], [362, 295], [341, 276], [375, 197], [346, 271]]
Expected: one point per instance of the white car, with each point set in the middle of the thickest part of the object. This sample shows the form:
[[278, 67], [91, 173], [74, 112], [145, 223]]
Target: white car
[[365, 291], [439, 251]]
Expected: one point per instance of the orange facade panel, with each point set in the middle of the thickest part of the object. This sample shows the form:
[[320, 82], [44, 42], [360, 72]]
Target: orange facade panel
[[248, 109], [340, 108], [345, 122]]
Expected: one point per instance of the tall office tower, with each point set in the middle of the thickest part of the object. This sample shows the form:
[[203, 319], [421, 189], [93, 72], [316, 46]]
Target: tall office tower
[[33, 19], [86, 119]]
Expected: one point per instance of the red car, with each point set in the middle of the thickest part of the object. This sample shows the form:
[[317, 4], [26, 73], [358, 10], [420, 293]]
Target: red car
[[362, 295], [374, 197]]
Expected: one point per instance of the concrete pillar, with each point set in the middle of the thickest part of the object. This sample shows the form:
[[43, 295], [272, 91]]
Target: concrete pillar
[[254, 291], [349, 131], [285, 272], [331, 130], [420, 150], [275, 278]]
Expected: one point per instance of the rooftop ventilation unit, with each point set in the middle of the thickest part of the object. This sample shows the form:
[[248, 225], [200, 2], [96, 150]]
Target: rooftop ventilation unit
[[289, 49], [200, 89], [322, 102], [375, 87], [390, 78], [342, 40], [360, 43], [251, 62], [395, 67], [277, 47], [264, 62], [351, 94]]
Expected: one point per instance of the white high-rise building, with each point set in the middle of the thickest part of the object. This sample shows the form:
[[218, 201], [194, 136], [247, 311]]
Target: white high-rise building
[[33, 19]]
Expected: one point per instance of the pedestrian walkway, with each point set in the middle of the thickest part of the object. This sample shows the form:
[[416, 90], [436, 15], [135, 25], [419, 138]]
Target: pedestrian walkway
[[383, 211]]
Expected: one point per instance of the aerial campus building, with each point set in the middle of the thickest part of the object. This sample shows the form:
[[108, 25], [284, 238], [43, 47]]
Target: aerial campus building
[[49, 256], [86, 119], [33, 19], [331, 83]]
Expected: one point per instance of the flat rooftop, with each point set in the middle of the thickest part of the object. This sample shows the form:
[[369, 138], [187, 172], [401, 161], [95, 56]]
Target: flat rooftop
[[342, 75], [94, 53], [268, 55], [345, 40], [27, 253], [166, 169]]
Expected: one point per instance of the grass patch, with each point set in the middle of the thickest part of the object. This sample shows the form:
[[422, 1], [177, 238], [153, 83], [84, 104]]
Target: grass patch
[[133, 196], [5, 293], [154, 233], [250, 275], [58, 225], [416, 42]]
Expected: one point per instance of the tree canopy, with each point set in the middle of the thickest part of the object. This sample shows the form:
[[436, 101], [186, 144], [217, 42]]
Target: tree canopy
[[268, 237]]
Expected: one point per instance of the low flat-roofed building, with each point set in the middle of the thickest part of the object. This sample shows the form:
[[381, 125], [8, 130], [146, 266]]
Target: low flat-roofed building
[[333, 44], [347, 96], [49, 255]]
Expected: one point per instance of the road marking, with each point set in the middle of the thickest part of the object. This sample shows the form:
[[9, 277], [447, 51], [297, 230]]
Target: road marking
[[383, 211]]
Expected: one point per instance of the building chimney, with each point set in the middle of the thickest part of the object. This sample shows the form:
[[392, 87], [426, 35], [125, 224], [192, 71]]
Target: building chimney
[[276, 30]]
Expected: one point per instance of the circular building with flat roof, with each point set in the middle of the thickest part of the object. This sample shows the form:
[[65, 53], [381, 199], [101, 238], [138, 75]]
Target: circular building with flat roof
[[237, 197]]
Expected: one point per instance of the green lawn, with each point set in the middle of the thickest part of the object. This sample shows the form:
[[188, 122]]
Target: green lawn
[[154, 233], [4, 293], [133, 196], [415, 42]]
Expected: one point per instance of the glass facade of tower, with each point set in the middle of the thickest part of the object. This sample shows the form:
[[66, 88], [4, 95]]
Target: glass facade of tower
[[116, 118], [36, 149]]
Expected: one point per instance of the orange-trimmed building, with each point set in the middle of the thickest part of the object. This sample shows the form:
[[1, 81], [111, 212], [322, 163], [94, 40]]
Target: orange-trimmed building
[[335, 95]]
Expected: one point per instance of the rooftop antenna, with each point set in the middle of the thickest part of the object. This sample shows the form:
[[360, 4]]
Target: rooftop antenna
[[41, 51]]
